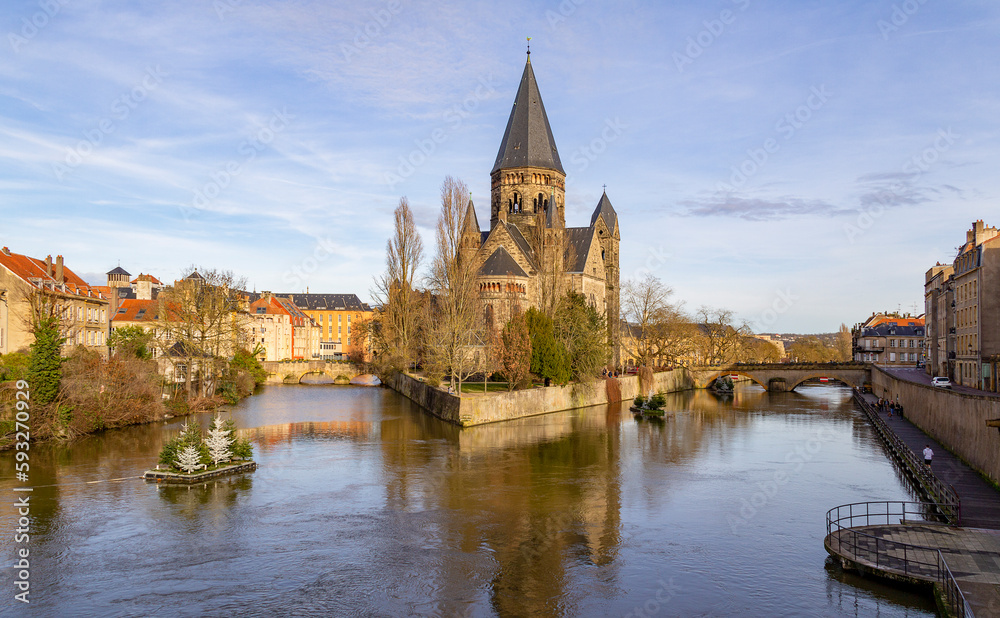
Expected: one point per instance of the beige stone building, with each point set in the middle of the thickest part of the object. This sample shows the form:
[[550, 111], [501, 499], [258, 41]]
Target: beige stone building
[[283, 330], [528, 253], [890, 339], [337, 316], [83, 310], [964, 343], [939, 337]]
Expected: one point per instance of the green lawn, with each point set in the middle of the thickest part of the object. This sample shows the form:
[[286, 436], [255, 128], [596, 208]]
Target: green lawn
[[477, 387]]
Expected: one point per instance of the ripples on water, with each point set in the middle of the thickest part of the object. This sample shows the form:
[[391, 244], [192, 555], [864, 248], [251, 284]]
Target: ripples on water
[[363, 505]]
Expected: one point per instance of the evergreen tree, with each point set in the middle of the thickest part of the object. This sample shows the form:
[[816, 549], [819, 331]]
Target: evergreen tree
[[548, 357], [45, 365], [582, 331], [241, 447]]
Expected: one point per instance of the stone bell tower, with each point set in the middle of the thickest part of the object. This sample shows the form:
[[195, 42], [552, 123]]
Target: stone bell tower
[[528, 183]]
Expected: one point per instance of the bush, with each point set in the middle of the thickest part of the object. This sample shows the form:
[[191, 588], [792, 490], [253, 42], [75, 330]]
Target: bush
[[639, 401], [657, 401], [14, 366]]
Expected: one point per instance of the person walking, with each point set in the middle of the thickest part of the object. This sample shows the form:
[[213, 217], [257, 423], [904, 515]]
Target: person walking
[[928, 455]]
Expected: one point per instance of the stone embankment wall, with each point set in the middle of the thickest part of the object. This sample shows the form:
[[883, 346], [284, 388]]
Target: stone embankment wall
[[956, 420], [479, 409]]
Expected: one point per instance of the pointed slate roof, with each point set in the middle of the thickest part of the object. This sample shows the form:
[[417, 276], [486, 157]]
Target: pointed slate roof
[[522, 242], [528, 140], [471, 219], [118, 270], [606, 210], [500, 264], [578, 240]]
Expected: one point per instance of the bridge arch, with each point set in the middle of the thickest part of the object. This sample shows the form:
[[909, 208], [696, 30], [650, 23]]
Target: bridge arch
[[706, 381], [293, 372], [782, 376], [831, 375]]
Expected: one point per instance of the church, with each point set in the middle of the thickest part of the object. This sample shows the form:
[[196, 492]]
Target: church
[[528, 253]]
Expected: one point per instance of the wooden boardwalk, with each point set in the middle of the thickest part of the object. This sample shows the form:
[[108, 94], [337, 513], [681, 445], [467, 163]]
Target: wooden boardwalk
[[980, 501]]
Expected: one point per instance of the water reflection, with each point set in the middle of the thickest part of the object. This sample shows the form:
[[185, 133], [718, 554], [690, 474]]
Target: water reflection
[[363, 504]]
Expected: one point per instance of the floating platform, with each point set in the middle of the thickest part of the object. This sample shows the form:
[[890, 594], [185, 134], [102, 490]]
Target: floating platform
[[648, 413], [165, 476]]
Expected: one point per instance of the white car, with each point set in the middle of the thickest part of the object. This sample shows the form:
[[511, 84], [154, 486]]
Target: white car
[[942, 382]]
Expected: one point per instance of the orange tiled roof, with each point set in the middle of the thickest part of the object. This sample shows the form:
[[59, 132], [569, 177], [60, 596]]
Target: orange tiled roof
[[898, 321], [142, 277], [28, 268], [129, 310]]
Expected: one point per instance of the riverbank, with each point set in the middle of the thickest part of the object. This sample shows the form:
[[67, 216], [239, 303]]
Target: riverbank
[[469, 410], [957, 420]]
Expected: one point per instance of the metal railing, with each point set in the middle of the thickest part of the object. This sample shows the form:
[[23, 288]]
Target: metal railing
[[939, 492], [951, 594], [847, 536]]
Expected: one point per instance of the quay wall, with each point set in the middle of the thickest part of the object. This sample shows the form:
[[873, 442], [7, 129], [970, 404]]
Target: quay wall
[[956, 420], [480, 409]]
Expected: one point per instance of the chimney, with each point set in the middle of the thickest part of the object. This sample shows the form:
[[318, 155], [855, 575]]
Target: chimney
[[48, 266], [6, 251], [59, 268]]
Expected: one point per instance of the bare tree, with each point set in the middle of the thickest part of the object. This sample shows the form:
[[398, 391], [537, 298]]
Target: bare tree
[[757, 350], [722, 339], [844, 344], [644, 307], [203, 322], [659, 332], [457, 337], [395, 292]]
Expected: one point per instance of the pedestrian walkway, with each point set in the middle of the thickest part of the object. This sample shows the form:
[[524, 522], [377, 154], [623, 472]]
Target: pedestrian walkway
[[980, 501], [909, 552]]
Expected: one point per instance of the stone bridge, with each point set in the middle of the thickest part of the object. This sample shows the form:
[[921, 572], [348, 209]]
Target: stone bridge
[[292, 372], [784, 376]]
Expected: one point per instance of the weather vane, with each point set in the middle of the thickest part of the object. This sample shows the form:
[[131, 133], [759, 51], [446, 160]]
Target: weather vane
[[529, 45]]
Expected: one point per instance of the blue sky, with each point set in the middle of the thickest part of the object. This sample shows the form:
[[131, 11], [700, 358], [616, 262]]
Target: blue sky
[[801, 163]]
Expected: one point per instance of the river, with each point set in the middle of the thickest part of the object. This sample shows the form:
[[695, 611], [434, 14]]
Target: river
[[364, 506]]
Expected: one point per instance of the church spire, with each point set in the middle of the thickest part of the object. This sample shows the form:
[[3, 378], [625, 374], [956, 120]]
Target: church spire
[[528, 141]]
